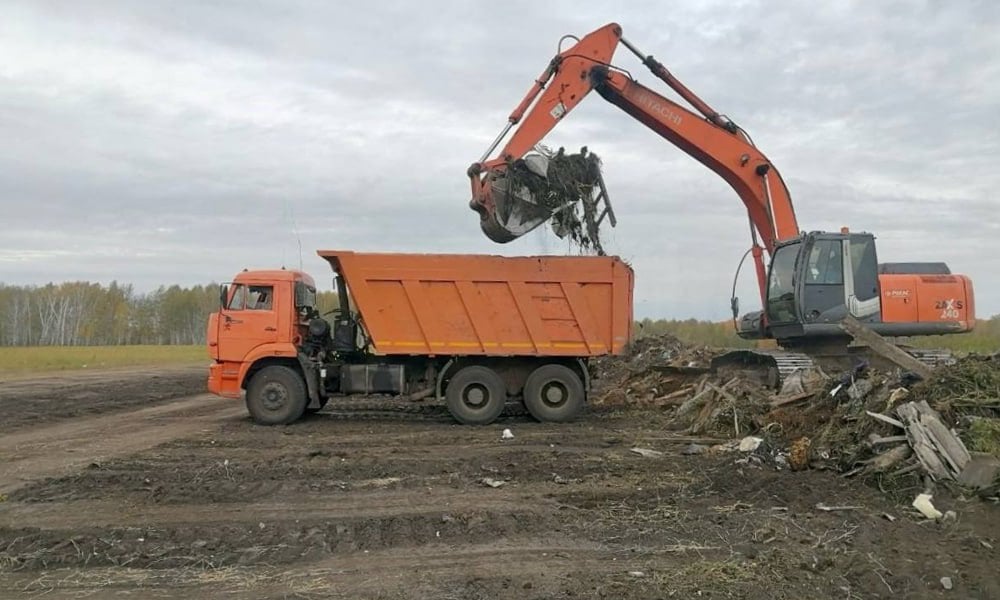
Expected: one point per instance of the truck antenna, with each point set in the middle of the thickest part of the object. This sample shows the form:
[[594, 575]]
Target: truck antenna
[[295, 230]]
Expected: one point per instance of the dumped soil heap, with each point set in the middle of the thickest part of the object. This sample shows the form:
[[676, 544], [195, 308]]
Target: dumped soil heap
[[886, 425], [569, 189]]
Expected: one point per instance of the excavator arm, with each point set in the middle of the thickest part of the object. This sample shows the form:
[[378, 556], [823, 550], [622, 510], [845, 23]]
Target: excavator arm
[[710, 138]]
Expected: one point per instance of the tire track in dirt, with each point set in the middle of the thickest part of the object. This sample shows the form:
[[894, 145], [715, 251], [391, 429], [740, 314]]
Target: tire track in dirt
[[375, 504], [46, 451], [361, 574]]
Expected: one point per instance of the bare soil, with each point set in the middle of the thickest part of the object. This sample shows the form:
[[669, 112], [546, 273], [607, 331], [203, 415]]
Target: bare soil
[[30, 400], [189, 499]]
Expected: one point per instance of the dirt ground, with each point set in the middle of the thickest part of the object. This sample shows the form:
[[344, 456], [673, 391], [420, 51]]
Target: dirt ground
[[128, 485]]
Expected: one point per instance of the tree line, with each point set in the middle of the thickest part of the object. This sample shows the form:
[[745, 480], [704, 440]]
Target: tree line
[[91, 314], [81, 313], [984, 339]]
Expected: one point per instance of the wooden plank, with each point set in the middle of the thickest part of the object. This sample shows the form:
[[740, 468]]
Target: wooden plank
[[883, 347], [692, 403], [885, 419], [876, 440], [785, 401], [722, 392], [949, 446], [921, 442], [684, 391], [703, 416], [889, 458]]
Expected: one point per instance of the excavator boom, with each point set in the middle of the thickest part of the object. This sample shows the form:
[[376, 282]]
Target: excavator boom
[[814, 279], [709, 138]]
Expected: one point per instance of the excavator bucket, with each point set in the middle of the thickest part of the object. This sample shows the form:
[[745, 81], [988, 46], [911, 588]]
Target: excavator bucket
[[514, 213], [537, 191]]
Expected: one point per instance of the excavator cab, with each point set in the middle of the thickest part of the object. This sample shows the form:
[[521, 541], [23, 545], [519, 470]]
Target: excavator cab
[[813, 282], [817, 279]]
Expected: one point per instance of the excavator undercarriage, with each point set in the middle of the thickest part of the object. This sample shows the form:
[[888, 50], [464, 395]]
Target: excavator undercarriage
[[773, 367]]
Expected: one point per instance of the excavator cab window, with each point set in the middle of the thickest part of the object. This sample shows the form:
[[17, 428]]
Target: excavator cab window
[[864, 264], [781, 285], [826, 263]]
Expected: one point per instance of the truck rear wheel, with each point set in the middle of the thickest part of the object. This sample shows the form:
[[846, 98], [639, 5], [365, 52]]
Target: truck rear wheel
[[554, 393], [476, 396], [276, 396]]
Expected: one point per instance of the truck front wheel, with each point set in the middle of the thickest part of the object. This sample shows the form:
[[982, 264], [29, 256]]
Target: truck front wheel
[[476, 396], [276, 396], [554, 393]]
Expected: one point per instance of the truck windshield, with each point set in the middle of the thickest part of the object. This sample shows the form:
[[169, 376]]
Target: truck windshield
[[781, 285], [305, 296]]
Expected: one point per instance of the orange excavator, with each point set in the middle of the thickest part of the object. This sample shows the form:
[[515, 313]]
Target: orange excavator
[[814, 280]]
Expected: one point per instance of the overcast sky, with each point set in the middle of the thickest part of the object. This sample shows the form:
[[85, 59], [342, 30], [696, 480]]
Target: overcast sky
[[178, 142]]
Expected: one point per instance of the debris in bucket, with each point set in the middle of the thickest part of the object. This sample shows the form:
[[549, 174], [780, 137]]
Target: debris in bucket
[[566, 185]]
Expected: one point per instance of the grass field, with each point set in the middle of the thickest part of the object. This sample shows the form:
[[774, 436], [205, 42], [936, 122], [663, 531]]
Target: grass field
[[38, 359]]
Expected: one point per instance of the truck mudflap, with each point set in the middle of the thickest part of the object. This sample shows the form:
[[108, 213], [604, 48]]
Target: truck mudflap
[[312, 376]]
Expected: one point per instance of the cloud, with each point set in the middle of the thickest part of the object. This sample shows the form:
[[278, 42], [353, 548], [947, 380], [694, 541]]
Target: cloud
[[180, 142]]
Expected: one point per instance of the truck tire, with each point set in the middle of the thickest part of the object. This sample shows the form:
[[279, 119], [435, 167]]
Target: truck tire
[[476, 396], [554, 393], [276, 395]]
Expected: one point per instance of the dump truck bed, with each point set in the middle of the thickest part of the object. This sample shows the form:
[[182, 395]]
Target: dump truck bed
[[461, 304]]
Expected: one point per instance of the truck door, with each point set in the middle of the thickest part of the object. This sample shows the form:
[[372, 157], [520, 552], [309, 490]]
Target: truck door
[[248, 320]]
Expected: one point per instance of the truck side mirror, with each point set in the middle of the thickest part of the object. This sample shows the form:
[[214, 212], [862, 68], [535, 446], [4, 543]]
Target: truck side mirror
[[223, 295]]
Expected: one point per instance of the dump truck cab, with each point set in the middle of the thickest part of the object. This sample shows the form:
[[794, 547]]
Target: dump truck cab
[[262, 319]]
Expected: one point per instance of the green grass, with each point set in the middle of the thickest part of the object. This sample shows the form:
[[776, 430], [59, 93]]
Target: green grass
[[39, 359]]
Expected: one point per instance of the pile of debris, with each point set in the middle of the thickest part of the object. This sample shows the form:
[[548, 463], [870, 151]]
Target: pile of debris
[[657, 370], [890, 424]]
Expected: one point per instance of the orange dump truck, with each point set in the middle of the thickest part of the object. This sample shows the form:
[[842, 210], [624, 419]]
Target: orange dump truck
[[475, 331]]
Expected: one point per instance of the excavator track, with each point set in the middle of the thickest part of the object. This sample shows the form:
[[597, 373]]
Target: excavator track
[[775, 365]]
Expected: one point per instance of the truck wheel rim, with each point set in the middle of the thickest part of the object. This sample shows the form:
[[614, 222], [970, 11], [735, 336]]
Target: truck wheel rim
[[475, 396], [273, 396], [554, 394]]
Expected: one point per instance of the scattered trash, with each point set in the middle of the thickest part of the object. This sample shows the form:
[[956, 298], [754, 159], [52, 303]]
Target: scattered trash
[[798, 454], [493, 483], [693, 449], [383, 481], [825, 508], [859, 389], [646, 452], [750, 443], [637, 573], [923, 503], [888, 517], [946, 583], [950, 515], [507, 434]]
